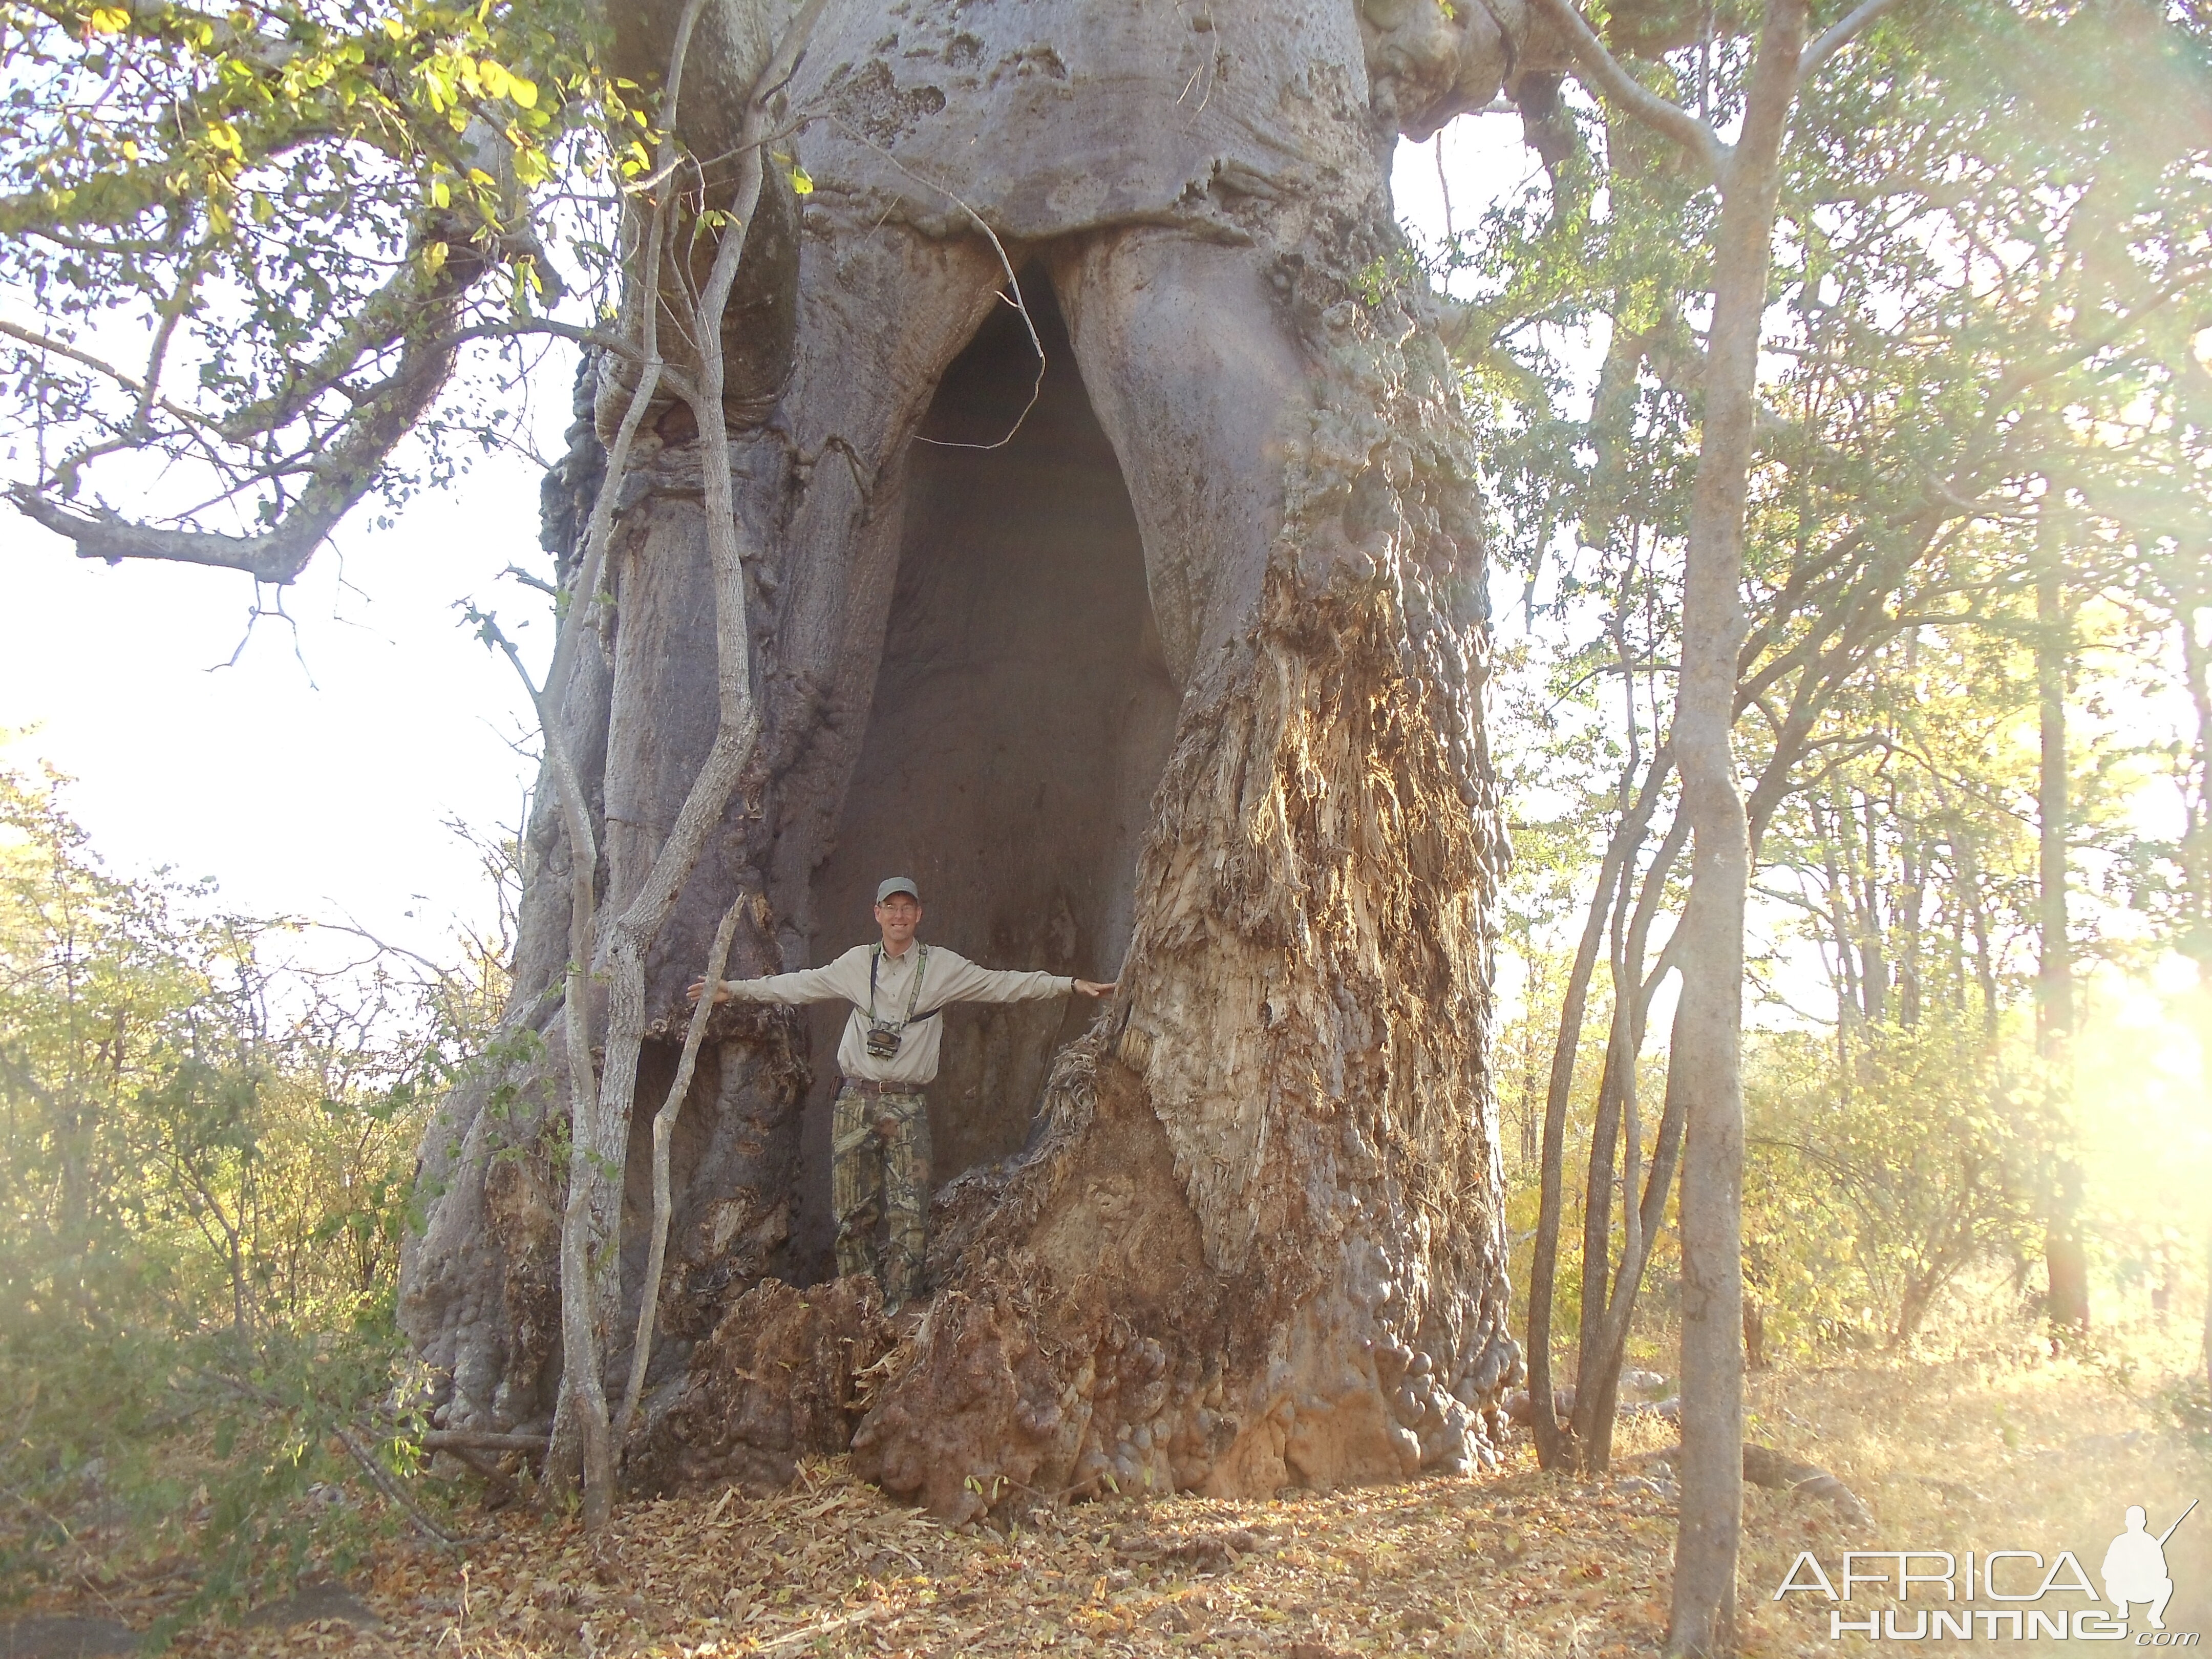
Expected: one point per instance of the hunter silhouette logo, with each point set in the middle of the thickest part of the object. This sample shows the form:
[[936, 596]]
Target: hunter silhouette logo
[[2135, 1566], [2133, 1573]]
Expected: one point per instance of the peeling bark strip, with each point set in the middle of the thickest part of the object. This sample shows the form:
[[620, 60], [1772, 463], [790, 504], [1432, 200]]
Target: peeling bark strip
[[1254, 1236]]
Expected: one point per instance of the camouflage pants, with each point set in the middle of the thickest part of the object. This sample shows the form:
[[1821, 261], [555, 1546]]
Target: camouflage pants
[[879, 1178]]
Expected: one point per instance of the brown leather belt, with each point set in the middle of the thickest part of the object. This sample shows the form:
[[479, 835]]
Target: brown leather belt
[[869, 1087]]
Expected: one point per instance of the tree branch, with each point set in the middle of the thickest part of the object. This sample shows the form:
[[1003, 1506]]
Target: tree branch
[[1612, 79], [664, 1135], [123, 378], [1834, 39], [424, 1522], [341, 476]]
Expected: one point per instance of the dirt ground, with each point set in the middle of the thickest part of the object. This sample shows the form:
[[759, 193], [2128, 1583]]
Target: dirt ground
[[2004, 1447]]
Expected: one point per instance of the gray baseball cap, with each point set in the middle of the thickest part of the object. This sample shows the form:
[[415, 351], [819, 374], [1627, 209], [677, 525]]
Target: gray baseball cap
[[891, 885]]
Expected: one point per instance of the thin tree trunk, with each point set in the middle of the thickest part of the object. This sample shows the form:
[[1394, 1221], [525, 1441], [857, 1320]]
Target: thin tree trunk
[[1631, 1179], [580, 1447], [1709, 1029], [1543, 1271], [1617, 1083], [2054, 1001], [76, 1128], [2197, 853], [1875, 951], [1597, 1216], [1530, 1114], [598, 1163], [593, 1457], [1597, 1371], [1911, 897], [1955, 967], [1613, 1337], [664, 1134], [1839, 926], [2207, 1347], [2065, 1262], [1978, 915]]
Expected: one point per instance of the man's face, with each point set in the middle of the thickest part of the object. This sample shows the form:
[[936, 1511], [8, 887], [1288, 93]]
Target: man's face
[[898, 916]]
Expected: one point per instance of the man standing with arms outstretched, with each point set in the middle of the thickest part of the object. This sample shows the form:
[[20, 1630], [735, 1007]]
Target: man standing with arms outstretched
[[879, 1146]]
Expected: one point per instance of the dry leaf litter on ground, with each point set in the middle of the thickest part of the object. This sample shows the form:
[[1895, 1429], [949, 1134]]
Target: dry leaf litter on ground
[[1513, 1563]]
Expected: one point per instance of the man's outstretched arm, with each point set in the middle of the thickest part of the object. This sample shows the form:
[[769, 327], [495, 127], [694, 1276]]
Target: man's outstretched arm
[[969, 983], [830, 983]]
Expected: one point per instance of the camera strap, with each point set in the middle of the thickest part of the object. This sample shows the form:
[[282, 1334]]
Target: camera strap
[[913, 991]]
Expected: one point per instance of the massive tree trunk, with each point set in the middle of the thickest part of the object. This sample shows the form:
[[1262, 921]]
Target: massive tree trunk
[[1160, 659]]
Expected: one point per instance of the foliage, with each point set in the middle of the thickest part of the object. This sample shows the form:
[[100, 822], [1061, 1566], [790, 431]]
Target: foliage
[[2187, 1402], [1878, 1183], [1986, 341], [254, 244], [1912, 863], [204, 1170]]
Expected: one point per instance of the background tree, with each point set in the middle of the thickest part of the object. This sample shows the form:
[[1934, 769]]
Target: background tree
[[1920, 428], [205, 1166], [1705, 1059]]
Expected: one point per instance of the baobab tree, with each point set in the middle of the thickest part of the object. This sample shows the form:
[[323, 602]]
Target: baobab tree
[[1111, 563], [1018, 456]]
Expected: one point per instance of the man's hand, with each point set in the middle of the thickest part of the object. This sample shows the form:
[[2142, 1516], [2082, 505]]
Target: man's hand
[[1092, 989], [698, 987]]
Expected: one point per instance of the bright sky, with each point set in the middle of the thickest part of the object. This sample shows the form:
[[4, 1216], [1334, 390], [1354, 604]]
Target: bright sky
[[315, 776]]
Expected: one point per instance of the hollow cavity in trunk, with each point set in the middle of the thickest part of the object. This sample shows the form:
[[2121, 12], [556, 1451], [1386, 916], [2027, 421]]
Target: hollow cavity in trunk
[[1023, 714]]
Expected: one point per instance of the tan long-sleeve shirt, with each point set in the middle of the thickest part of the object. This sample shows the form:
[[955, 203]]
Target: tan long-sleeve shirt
[[948, 977]]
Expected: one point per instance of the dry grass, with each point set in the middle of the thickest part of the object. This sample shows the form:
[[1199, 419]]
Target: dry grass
[[2004, 1447]]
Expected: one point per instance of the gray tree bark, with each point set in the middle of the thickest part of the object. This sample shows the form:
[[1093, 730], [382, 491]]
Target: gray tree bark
[[1161, 658], [1706, 1060], [1707, 1050], [2191, 602]]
